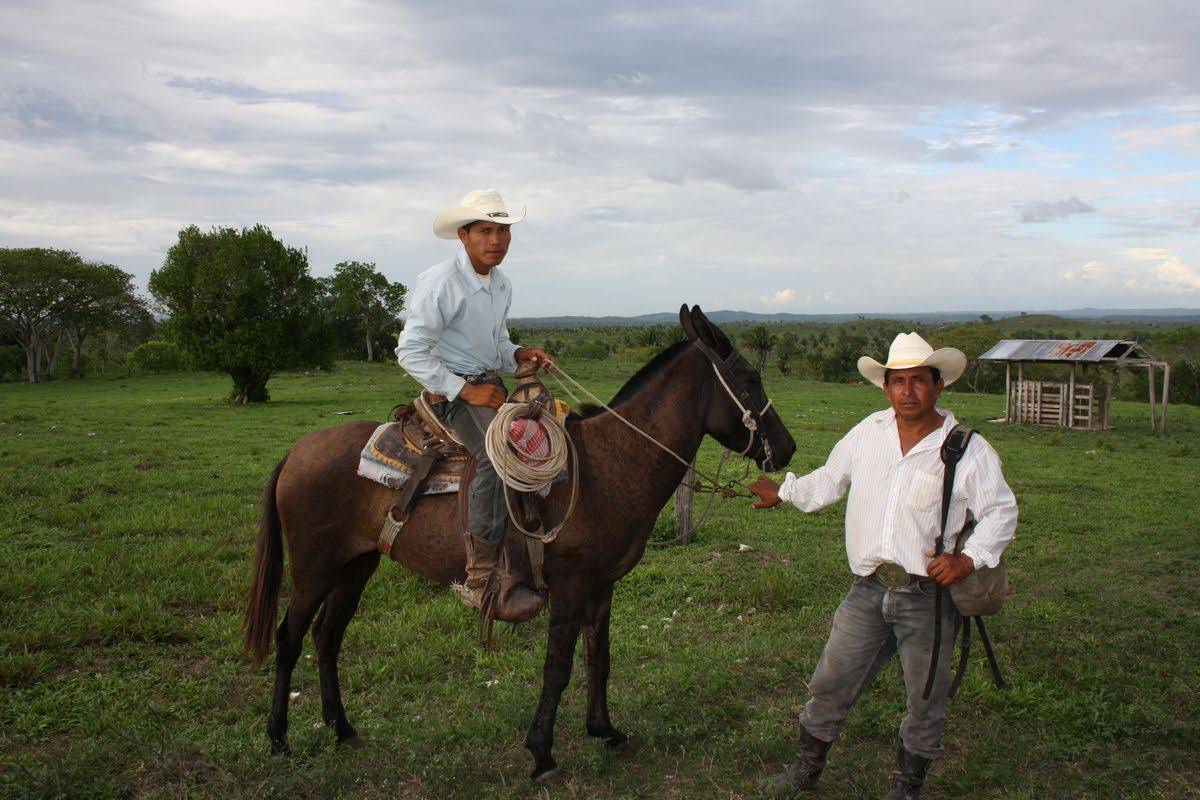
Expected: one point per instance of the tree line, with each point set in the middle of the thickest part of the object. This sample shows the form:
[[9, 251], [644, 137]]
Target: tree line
[[244, 303], [234, 301]]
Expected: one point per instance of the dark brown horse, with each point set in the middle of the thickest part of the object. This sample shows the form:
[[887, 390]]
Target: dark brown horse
[[330, 518]]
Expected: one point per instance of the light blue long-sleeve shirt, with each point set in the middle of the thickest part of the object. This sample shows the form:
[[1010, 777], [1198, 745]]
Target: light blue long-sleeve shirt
[[456, 325]]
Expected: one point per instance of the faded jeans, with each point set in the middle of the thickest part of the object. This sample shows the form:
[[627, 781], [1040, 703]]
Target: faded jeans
[[872, 623], [486, 512]]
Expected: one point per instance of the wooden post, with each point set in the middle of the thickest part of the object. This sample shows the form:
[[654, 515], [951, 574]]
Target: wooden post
[[1166, 389], [1071, 398], [1106, 398], [1021, 389], [683, 506], [1008, 391], [1153, 416]]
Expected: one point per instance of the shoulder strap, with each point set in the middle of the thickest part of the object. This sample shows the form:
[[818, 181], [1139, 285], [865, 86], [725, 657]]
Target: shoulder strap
[[952, 452], [953, 448]]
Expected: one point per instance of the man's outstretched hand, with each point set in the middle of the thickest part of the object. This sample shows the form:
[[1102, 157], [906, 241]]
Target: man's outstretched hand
[[766, 490]]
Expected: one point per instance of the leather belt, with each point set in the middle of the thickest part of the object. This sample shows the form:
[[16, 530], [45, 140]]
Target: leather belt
[[486, 375], [893, 576]]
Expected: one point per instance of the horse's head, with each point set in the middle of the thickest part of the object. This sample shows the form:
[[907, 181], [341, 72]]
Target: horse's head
[[740, 415]]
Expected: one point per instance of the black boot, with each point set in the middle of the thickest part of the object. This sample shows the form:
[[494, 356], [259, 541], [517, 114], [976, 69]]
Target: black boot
[[802, 775], [908, 777]]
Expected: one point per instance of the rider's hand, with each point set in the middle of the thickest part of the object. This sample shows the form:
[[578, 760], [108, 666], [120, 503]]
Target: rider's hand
[[948, 569], [766, 489], [544, 360], [483, 394]]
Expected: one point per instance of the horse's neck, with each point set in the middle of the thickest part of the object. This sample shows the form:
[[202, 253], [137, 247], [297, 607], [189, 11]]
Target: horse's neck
[[671, 409]]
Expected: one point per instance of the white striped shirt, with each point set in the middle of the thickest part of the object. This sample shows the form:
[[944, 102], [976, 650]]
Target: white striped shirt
[[895, 505]]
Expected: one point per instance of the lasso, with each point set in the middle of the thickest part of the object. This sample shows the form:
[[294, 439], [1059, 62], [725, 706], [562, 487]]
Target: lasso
[[532, 401]]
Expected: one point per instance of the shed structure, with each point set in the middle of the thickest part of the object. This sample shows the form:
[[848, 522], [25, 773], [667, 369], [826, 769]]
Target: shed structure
[[1082, 400]]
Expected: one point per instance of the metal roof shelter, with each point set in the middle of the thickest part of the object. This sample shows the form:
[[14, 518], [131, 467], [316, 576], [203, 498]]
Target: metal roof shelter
[[1076, 403]]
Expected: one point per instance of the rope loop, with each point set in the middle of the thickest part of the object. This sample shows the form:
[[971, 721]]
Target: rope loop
[[518, 473]]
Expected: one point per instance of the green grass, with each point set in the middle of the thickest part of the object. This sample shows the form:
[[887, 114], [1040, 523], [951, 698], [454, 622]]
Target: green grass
[[127, 532]]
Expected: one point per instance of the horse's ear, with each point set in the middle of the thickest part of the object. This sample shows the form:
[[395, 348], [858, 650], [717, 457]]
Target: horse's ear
[[685, 321], [710, 333]]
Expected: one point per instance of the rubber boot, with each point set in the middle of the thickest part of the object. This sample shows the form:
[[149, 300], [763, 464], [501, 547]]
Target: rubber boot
[[493, 587], [909, 776], [802, 775]]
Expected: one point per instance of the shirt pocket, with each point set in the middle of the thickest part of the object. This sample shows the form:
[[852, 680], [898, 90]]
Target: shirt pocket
[[924, 490]]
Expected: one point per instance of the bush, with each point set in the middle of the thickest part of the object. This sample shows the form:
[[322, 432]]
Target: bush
[[156, 357], [592, 348], [12, 362]]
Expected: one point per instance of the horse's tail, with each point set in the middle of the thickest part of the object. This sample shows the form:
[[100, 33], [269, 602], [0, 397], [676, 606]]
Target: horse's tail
[[263, 598]]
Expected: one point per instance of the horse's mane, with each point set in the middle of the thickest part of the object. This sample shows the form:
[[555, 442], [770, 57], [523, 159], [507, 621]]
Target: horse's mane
[[639, 379]]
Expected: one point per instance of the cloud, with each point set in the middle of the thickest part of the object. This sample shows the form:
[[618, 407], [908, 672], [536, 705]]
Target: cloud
[[551, 135], [1175, 274], [1051, 212], [760, 145], [245, 93], [783, 297], [955, 154], [745, 172], [45, 113]]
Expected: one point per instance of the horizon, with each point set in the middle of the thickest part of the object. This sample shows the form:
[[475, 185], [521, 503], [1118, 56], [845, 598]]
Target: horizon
[[767, 157]]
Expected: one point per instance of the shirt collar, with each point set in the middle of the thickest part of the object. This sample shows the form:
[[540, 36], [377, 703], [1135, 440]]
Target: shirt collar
[[463, 262], [935, 439]]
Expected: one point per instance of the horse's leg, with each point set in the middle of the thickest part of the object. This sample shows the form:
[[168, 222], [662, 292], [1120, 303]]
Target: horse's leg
[[596, 657], [328, 632], [288, 640], [566, 616]]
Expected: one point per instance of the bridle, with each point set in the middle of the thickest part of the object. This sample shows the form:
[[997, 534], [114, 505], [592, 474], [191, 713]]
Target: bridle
[[740, 396]]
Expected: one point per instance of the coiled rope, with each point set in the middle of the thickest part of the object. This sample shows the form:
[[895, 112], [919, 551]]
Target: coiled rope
[[531, 400]]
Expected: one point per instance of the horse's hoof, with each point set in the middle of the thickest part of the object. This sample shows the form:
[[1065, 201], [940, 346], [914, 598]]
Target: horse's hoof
[[622, 744], [280, 748], [550, 777], [354, 742]]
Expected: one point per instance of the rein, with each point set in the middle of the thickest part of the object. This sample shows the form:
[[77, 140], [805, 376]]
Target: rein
[[749, 418]]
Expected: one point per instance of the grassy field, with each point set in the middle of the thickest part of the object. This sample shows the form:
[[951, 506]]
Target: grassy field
[[126, 540]]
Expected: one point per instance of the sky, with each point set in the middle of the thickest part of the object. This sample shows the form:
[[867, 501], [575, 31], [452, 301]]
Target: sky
[[863, 156]]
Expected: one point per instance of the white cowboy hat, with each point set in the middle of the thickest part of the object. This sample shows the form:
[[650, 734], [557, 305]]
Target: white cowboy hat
[[910, 350], [481, 205]]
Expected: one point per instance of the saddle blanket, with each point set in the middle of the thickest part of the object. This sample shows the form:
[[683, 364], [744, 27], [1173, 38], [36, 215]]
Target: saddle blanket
[[390, 456]]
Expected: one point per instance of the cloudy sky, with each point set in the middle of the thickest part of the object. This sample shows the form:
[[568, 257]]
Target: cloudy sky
[[769, 156]]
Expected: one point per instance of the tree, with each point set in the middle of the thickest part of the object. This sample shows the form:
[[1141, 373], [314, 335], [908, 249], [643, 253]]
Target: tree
[[785, 352], [1181, 347], [244, 303], [973, 339], [39, 288], [762, 342], [106, 302], [359, 292], [156, 357]]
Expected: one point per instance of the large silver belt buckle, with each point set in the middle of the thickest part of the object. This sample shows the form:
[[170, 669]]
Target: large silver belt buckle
[[891, 575]]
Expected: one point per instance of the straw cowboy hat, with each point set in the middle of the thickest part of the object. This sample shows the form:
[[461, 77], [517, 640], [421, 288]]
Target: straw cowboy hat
[[481, 205], [910, 350]]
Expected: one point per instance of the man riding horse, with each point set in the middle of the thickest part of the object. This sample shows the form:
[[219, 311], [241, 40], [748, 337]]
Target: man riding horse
[[455, 343]]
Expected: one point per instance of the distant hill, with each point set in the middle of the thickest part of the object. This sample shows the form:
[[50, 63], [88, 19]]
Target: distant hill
[[1109, 315]]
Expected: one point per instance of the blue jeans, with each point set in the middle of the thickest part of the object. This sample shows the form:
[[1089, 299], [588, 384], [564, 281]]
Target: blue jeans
[[872, 623], [487, 515]]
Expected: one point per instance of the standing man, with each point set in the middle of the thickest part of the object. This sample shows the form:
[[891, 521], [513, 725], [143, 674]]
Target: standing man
[[455, 343], [891, 464]]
